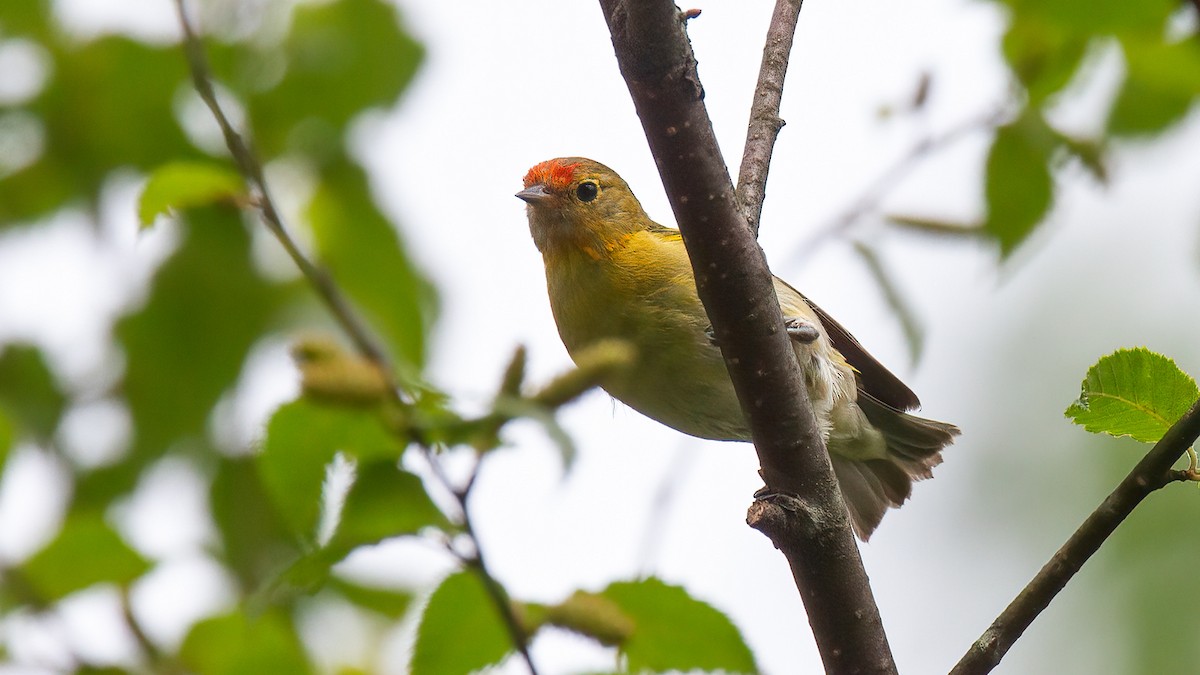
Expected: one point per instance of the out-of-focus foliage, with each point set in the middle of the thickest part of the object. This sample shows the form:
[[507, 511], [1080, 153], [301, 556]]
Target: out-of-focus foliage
[[1048, 46], [1134, 392], [112, 106]]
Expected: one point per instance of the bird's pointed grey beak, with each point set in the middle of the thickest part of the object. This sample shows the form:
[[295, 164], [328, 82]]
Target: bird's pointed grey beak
[[534, 194]]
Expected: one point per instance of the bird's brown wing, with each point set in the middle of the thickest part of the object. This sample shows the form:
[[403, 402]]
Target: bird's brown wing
[[874, 378]]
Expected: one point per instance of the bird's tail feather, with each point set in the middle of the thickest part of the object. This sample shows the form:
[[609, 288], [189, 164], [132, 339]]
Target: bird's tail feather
[[914, 447]]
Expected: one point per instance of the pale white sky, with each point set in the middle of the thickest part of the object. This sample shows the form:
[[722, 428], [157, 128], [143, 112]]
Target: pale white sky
[[506, 86]]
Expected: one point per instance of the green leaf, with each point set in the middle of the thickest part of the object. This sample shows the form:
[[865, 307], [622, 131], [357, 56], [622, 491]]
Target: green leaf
[[461, 630], [6, 439], [182, 185], [255, 540], [677, 632], [1098, 17], [107, 104], [29, 392], [339, 58], [1162, 83], [302, 438], [1042, 55], [1133, 392], [25, 17], [1019, 187], [185, 348], [236, 644], [85, 552], [384, 502], [363, 252], [390, 603]]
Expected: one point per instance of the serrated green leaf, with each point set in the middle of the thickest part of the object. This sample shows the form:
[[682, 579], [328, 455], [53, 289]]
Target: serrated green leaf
[[85, 552], [1019, 187], [383, 502], [29, 391], [236, 644], [1133, 392], [674, 631], [183, 185], [302, 438], [460, 631]]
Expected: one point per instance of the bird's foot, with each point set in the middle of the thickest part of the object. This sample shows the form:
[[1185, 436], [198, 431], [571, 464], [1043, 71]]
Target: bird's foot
[[801, 330]]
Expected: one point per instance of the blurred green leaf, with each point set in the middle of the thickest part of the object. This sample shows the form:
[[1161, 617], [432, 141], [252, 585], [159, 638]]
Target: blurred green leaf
[[364, 254], [25, 17], [585, 613], [383, 502], [108, 104], [1043, 55], [1099, 17], [1019, 187], [6, 439], [1133, 392], [207, 307], [677, 632], [302, 438], [182, 185], [236, 644], [29, 392], [461, 630], [388, 602], [340, 58], [255, 541], [1162, 82], [85, 552]]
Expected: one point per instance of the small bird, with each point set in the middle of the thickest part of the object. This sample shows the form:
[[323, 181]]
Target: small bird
[[612, 272]]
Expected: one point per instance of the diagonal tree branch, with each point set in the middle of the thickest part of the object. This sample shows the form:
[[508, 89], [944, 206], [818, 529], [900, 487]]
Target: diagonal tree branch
[[765, 122], [251, 169], [341, 308], [1150, 474], [736, 288]]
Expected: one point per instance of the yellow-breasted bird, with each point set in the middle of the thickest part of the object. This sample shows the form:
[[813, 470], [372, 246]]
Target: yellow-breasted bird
[[613, 273]]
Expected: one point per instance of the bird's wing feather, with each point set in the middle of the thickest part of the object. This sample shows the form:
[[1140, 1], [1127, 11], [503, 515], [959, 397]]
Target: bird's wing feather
[[874, 378]]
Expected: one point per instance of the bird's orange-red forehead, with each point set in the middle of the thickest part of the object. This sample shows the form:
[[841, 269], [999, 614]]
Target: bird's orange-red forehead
[[552, 173]]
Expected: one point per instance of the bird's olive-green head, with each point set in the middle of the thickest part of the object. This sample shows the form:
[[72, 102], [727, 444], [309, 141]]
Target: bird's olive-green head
[[577, 204]]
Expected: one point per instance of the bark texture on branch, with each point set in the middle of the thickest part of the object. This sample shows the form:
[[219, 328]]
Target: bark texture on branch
[[735, 285], [765, 122]]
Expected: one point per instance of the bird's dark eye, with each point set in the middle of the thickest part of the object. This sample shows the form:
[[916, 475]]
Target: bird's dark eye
[[587, 191]]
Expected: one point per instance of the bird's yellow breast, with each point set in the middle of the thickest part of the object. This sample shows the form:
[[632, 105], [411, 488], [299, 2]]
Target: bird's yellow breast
[[643, 291]]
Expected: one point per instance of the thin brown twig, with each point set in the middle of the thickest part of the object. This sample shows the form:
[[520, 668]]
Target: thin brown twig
[[252, 171], [870, 198], [338, 305], [495, 590], [1151, 473], [765, 122]]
